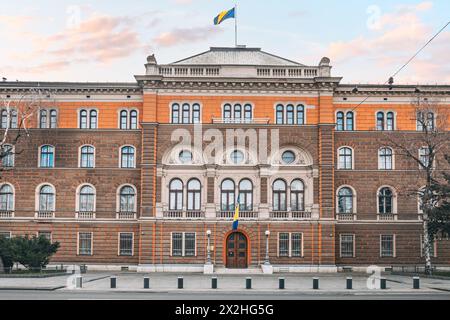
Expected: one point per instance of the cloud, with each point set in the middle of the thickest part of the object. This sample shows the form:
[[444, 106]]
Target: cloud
[[185, 35], [398, 36]]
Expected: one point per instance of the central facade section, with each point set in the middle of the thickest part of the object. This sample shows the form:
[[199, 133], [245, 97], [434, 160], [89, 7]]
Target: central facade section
[[237, 126]]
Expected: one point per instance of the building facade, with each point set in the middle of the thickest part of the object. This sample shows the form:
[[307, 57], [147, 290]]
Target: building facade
[[143, 175]]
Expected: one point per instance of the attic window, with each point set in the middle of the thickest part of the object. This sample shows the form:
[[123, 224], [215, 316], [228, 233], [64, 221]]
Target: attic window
[[128, 97], [385, 99], [345, 99], [88, 97]]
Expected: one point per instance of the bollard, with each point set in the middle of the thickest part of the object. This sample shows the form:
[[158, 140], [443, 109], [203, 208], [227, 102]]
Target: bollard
[[146, 283], [248, 283], [180, 282], [79, 282], [316, 283], [383, 283], [113, 282], [281, 283], [214, 283], [416, 283], [349, 283]]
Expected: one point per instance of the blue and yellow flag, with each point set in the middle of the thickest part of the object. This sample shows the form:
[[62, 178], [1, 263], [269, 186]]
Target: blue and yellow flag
[[236, 216], [224, 15]]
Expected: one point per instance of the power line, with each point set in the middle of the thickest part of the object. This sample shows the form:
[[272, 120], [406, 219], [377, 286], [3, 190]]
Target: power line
[[391, 79]]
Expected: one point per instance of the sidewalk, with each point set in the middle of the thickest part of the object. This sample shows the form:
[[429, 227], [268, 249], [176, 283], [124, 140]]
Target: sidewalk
[[260, 283]]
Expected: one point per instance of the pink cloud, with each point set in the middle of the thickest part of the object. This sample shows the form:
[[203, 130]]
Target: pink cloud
[[185, 35], [398, 36]]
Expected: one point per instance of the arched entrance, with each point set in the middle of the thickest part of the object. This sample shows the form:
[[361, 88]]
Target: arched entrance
[[237, 247]]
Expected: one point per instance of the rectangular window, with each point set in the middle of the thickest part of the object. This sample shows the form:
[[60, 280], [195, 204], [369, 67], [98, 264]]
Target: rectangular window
[[347, 244], [46, 234], [387, 246], [290, 244], [283, 244], [183, 244], [126, 244], [5, 234], [296, 244], [85, 243], [189, 244], [433, 247]]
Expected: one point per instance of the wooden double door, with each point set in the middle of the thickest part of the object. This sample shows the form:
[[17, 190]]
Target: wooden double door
[[237, 250]]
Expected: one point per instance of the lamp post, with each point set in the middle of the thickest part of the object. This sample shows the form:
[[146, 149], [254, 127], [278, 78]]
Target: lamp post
[[267, 262], [208, 258]]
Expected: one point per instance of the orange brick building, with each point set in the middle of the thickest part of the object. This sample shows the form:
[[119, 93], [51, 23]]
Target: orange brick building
[[143, 175]]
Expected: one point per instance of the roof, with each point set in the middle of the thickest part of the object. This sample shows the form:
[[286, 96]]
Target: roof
[[236, 56]]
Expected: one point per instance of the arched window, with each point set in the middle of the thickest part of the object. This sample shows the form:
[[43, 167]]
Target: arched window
[[385, 201], [127, 157], [290, 114], [246, 195], [279, 195], [350, 122], [127, 201], [176, 195], [196, 113], [133, 119], [43, 119], [93, 119], [385, 159], [227, 195], [46, 199], [87, 157], [83, 119], [47, 157], [237, 112], [6, 198], [175, 113], [186, 113], [345, 158], [380, 121], [123, 119], [300, 114], [7, 154], [424, 157], [14, 119], [390, 121], [345, 201], [340, 121], [194, 189], [227, 112], [248, 114], [53, 119], [4, 120], [86, 199], [297, 195], [425, 120], [280, 114]]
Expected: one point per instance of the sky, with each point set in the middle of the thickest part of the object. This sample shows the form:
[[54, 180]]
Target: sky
[[109, 40]]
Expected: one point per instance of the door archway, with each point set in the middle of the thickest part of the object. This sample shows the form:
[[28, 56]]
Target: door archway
[[237, 251]]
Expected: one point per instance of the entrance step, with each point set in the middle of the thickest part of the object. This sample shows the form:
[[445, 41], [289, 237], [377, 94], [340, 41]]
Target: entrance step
[[238, 271]]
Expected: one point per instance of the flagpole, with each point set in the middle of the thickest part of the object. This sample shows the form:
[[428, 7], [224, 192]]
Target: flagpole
[[235, 26]]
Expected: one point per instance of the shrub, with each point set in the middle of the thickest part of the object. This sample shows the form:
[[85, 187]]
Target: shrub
[[33, 253]]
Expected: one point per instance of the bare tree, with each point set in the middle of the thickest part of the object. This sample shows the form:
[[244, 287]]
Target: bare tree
[[16, 113], [424, 149]]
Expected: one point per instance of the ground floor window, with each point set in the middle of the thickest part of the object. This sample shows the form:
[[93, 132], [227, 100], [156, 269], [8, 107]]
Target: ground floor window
[[433, 248], [46, 234], [125, 244], [5, 234], [347, 244], [387, 245], [85, 243], [183, 244], [290, 244]]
